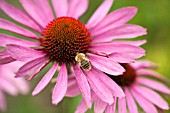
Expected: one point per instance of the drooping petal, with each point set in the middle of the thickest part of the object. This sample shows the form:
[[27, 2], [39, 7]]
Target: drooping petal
[[45, 8], [83, 86], [72, 90], [77, 7], [122, 105], [18, 15], [118, 17], [130, 50], [145, 104], [99, 105], [7, 25], [111, 108], [6, 39], [148, 72], [3, 105], [152, 96], [31, 66], [106, 65], [144, 64], [60, 7], [45, 80], [82, 108], [134, 43], [100, 89], [122, 31], [23, 53], [35, 11], [7, 60], [132, 106], [154, 85], [100, 13], [61, 85]]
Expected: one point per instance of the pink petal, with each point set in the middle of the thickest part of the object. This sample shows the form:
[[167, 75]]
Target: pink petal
[[77, 7], [100, 13], [154, 85], [83, 85], [31, 66], [100, 89], [145, 104], [122, 31], [82, 108], [99, 105], [152, 96], [6, 60], [118, 17], [16, 51], [109, 48], [111, 108], [148, 72], [6, 39], [45, 80], [7, 25], [3, 105], [35, 11], [116, 89], [61, 85], [18, 15], [45, 9], [122, 105], [60, 7], [106, 65], [132, 106], [72, 90], [134, 43], [143, 64]]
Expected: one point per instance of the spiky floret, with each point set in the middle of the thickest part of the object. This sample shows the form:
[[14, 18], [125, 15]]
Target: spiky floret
[[63, 38]]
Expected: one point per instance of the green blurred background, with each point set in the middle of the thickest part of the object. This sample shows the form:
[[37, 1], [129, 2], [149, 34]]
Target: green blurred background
[[152, 14]]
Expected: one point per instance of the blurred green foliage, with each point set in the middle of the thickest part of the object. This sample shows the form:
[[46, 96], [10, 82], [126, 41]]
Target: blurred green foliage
[[152, 14]]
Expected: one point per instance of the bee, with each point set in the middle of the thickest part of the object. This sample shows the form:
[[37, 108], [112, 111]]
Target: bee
[[83, 61]]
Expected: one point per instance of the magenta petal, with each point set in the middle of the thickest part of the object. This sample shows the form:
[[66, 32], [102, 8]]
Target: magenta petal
[[7, 25], [154, 85], [82, 108], [134, 43], [123, 31], [23, 53], [118, 17], [140, 64], [145, 104], [35, 11], [100, 13], [30, 66], [77, 7], [111, 108], [6, 60], [122, 105], [60, 7], [152, 96], [61, 85], [131, 102], [148, 72], [18, 15], [6, 39], [116, 89], [106, 65], [45, 80], [100, 89], [99, 105], [83, 85], [3, 105]]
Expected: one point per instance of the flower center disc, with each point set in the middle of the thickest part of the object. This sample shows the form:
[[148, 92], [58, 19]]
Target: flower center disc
[[127, 78], [63, 38]]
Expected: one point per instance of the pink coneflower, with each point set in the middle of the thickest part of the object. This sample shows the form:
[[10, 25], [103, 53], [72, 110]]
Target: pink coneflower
[[9, 84], [139, 84], [62, 38]]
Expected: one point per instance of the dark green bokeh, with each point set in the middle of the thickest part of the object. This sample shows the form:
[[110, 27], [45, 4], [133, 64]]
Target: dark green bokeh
[[152, 14]]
